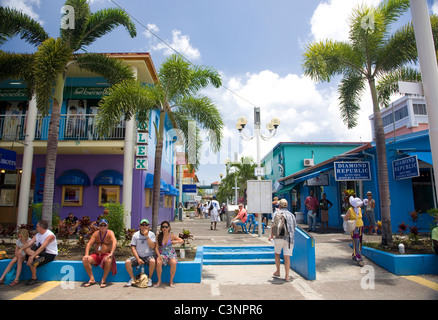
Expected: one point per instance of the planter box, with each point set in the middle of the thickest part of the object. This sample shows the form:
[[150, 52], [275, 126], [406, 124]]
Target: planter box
[[403, 264]]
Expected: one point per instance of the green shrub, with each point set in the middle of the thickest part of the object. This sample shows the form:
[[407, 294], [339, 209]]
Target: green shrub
[[115, 219]]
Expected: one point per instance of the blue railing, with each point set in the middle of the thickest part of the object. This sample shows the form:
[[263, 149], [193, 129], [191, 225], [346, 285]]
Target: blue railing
[[76, 127]]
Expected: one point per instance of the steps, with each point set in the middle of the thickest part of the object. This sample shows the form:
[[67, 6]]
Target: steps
[[239, 255]]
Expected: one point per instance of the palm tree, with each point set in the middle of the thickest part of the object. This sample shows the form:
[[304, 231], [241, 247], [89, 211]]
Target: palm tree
[[19, 66], [245, 171], [175, 95], [50, 65], [371, 52]]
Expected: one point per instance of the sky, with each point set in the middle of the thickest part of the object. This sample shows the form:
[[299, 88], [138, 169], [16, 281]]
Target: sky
[[256, 46]]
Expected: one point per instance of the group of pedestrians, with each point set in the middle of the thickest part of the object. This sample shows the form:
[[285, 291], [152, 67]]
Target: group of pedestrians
[[213, 210], [147, 249]]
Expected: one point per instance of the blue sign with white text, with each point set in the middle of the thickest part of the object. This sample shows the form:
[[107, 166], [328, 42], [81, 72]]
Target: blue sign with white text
[[189, 188], [405, 168], [350, 171], [7, 159]]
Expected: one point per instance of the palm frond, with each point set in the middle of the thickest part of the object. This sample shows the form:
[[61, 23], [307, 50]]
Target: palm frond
[[325, 59], [18, 66], [388, 83], [207, 116], [14, 22], [350, 90], [50, 61], [73, 36], [110, 68], [104, 21], [124, 99]]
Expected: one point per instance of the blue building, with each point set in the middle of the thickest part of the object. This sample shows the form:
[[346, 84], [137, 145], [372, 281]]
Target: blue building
[[411, 187]]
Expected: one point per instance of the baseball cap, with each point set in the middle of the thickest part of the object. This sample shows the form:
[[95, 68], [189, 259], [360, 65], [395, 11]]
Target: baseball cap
[[103, 221], [144, 220]]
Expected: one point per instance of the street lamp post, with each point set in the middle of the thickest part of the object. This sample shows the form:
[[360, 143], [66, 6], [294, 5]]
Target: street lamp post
[[272, 128]]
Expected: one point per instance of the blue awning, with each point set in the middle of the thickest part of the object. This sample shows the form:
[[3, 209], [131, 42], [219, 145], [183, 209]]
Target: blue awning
[[73, 177], [422, 155], [173, 191], [149, 183], [108, 177], [164, 187], [313, 174]]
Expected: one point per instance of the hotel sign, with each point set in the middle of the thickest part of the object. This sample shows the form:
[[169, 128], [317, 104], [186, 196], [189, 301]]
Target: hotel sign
[[350, 171], [405, 168], [7, 159]]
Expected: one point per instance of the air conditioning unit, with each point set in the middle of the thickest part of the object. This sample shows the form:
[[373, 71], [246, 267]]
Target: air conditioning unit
[[308, 162]]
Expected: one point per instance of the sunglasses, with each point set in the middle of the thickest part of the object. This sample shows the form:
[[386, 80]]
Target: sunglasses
[[165, 227], [144, 225], [103, 225]]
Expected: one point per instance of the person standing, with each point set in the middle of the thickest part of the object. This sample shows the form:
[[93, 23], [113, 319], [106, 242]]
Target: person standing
[[214, 212], [41, 250], [370, 204], [283, 231], [324, 205], [142, 247], [106, 244], [355, 213], [311, 204]]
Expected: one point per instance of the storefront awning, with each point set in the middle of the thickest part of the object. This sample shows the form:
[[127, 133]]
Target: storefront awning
[[108, 177], [312, 175], [73, 177], [422, 155], [286, 189], [149, 183]]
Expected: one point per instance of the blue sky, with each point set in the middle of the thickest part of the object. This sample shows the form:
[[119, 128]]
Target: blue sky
[[257, 47]]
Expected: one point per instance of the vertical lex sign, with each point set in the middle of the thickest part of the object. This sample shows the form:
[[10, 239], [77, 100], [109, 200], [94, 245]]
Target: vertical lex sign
[[141, 160]]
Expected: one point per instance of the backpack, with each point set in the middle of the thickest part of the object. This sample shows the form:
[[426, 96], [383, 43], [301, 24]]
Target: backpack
[[140, 281], [279, 225]]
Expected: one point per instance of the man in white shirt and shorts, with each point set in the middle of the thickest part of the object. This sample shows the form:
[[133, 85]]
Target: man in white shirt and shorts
[[142, 246]]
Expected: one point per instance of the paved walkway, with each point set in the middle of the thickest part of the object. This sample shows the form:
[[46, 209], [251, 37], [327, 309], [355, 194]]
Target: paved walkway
[[337, 277]]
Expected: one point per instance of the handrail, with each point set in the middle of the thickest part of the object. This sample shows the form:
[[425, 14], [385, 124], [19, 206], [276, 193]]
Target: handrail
[[71, 127]]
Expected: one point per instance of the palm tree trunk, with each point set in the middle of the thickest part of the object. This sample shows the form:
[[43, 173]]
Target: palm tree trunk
[[382, 171], [52, 150], [157, 172]]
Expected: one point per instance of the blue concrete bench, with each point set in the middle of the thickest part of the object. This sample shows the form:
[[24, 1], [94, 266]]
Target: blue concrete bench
[[58, 270]]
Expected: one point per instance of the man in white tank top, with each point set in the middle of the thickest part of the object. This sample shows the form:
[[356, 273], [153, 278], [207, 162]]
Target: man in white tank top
[[40, 250]]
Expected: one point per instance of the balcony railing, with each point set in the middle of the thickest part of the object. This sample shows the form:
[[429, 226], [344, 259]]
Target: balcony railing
[[71, 127]]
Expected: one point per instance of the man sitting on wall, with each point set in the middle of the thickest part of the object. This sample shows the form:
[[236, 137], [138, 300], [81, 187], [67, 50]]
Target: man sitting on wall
[[106, 244]]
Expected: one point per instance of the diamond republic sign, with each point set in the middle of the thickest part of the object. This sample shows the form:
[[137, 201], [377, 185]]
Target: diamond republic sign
[[405, 168], [349, 171]]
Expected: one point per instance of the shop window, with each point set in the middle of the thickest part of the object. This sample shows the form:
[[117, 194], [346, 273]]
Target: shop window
[[148, 197], [72, 195], [168, 201], [108, 194]]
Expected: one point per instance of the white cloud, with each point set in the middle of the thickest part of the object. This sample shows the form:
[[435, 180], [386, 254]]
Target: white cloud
[[330, 19], [307, 112], [435, 7], [180, 43], [152, 27], [26, 6]]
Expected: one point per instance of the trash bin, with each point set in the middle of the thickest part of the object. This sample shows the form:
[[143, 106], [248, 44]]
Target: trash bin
[[299, 216], [180, 214]]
